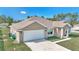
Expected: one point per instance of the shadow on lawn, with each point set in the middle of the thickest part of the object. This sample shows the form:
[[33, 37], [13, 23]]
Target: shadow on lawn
[[74, 35]]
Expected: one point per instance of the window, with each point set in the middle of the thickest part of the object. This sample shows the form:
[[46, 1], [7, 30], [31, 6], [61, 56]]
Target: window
[[50, 32]]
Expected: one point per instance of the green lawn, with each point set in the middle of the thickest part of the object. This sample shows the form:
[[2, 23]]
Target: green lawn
[[1, 45], [8, 44], [54, 38], [73, 43]]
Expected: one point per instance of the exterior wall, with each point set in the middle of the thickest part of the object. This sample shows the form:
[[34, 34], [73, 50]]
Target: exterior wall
[[60, 31], [17, 37], [21, 36], [46, 34], [34, 26], [13, 31], [56, 32]]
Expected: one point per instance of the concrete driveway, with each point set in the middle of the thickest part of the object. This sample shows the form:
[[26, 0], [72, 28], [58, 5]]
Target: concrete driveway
[[45, 45]]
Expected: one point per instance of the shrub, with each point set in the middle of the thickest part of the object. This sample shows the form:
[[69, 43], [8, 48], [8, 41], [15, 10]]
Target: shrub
[[12, 36]]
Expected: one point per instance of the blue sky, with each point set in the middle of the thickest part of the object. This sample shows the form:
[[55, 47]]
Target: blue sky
[[19, 13]]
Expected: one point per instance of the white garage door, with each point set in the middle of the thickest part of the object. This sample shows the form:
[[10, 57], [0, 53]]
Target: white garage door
[[33, 35]]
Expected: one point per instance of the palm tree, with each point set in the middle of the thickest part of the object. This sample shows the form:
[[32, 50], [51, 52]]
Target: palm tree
[[3, 19], [73, 18], [60, 17], [28, 16], [42, 17], [10, 21]]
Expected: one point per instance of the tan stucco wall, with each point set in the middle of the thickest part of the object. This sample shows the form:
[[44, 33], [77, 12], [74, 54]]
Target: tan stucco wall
[[46, 34], [12, 30], [17, 37], [34, 26], [55, 31]]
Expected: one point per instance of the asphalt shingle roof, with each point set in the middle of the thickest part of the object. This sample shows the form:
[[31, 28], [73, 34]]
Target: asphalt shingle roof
[[45, 22]]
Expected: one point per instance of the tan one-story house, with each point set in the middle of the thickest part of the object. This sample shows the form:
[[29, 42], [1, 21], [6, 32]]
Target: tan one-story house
[[36, 28]]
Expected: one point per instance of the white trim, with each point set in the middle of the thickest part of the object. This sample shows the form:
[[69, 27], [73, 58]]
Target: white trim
[[61, 33], [53, 32], [67, 34]]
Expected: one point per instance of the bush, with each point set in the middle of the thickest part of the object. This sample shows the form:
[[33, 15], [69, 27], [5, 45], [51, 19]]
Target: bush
[[12, 36]]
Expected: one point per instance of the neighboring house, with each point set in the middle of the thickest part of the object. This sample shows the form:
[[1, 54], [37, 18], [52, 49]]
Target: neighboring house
[[3, 25], [75, 28], [36, 28]]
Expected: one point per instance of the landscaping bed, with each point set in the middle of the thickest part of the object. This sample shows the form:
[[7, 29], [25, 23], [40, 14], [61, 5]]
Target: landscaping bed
[[73, 43]]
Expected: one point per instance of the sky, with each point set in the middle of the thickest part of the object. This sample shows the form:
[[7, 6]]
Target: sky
[[19, 13]]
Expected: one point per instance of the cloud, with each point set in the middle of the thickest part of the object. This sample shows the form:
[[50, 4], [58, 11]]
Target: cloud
[[23, 12]]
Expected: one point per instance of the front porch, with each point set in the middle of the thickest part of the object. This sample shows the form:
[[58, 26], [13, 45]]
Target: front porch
[[58, 32]]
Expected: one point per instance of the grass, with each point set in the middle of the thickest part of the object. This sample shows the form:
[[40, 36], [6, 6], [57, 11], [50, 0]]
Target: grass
[[1, 45], [73, 43], [8, 44], [54, 38]]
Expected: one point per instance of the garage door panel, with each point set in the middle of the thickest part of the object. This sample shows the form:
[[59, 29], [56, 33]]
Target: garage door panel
[[33, 35]]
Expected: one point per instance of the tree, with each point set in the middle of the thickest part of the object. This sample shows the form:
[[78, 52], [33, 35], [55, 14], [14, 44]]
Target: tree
[[52, 19], [35, 16], [42, 17], [60, 17], [73, 18], [57, 17], [3, 19], [10, 21], [28, 16]]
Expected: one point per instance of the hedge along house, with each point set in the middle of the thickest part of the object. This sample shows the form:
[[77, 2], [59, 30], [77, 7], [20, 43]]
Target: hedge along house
[[36, 28]]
